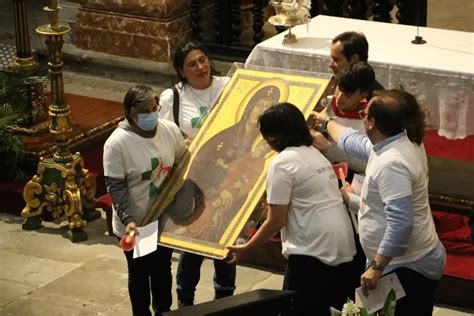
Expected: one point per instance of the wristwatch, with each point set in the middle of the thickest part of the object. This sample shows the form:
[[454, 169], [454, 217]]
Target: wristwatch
[[375, 265], [325, 125]]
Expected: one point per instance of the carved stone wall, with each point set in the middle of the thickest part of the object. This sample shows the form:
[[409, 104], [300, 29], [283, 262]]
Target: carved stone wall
[[148, 29]]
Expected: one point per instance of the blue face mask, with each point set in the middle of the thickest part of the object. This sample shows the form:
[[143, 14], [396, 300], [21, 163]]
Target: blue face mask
[[148, 121]]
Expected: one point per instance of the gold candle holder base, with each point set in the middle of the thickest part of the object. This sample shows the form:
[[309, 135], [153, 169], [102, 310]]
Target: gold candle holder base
[[60, 189]]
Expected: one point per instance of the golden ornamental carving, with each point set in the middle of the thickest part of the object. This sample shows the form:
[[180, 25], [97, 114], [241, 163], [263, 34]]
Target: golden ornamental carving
[[31, 130], [61, 196], [72, 198], [62, 186], [50, 164], [62, 122], [20, 64], [30, 191], [88, 189], [76, 222]]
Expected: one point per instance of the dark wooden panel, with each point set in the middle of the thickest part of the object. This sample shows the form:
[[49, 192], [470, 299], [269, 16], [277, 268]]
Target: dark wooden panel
[[259, 302]]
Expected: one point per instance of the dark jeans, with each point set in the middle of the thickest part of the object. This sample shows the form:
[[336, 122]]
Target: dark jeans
[[319, 286], [189, 272], [419, 290], [151, 272]]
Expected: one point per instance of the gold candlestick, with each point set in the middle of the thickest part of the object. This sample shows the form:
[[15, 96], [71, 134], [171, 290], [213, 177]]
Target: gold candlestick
[[62, 186]]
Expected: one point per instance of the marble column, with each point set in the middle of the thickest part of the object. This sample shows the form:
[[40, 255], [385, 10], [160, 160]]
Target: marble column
[[133, 28]]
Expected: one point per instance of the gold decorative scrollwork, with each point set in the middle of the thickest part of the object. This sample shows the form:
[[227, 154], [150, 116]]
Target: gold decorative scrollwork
[[40, 171], [30, 191], [76, 222], [90, 185], [78, 162], [62, 122], [23, 63], [49, 207], [55, 189], [72, 198], [72, 195]]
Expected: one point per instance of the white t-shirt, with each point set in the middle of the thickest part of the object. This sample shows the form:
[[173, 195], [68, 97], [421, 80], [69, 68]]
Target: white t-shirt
[[143, 162], [384, 183], [335, 154], [318, 224], [194, 104]]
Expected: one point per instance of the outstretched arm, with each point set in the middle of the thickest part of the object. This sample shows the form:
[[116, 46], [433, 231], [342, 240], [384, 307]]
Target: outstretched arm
[[276, 219], [333, 128], [349, 140]]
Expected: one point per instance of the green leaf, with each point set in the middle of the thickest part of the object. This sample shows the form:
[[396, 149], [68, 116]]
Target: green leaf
[[363, 311], [10, 143], [14, 90], [389, 306]]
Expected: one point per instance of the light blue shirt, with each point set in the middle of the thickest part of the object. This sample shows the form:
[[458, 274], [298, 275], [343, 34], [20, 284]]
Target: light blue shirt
[[398, 212]]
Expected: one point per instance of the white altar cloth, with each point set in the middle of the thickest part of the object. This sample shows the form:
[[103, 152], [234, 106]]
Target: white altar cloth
[[439, 73]]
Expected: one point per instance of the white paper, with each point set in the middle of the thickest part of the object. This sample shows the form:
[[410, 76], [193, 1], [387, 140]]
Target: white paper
[[356, 183], [147, 241], [377, 296]]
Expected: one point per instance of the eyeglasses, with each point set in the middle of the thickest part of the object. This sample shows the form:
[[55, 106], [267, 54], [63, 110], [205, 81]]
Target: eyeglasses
[[137, 107], [362, 114]]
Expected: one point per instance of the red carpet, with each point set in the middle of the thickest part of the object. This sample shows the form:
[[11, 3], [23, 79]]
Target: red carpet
[[454, 232]]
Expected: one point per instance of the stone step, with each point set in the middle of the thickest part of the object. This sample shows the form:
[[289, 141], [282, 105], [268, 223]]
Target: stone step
[[122, 68]]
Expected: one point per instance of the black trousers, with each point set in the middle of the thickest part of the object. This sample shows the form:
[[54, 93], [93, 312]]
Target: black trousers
[[419, 290], [151, 273], [319, 286]]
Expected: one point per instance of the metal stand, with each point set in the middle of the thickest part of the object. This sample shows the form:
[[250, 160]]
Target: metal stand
[[62, 186], [290, 37], [24, 59], [35, 118], [418, 40]]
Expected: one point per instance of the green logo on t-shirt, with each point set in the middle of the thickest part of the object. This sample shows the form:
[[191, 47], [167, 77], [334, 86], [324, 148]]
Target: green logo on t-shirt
[[196, 122], [157, 175], [147, 175]]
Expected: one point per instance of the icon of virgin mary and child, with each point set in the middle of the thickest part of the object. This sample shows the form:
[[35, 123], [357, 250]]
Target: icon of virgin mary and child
[[225, 170]]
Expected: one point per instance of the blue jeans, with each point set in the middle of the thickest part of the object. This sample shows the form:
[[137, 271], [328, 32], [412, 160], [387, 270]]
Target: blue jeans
[[189, 272]]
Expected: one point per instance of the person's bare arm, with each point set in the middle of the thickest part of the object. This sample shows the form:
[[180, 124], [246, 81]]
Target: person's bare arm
[[276, 219]]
